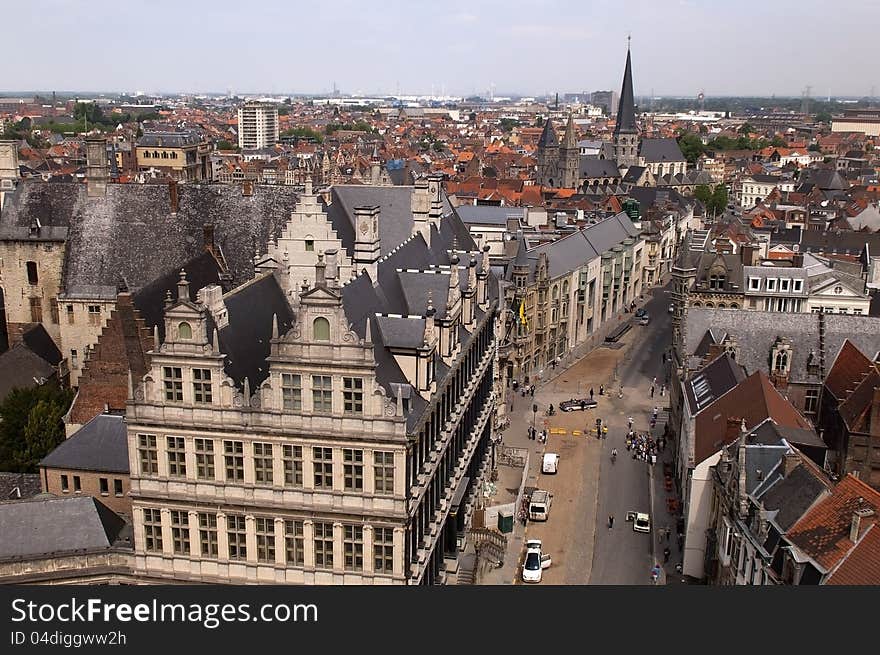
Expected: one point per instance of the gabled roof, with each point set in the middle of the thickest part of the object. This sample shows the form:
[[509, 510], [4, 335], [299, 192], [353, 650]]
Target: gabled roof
[[712, 381], [790, 497], [100, 445], [861, 566], [849, 369], [824, 532], [660, 150]]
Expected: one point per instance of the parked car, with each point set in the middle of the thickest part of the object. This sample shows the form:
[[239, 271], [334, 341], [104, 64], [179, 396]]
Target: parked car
[[535, 563], [577, 404], [641, 311], [644, 319], [550, 463]]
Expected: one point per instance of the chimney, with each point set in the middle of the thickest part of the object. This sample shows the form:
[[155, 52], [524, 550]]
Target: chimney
[[331, 257], [320, 271], [420, 206], [247, 188], [97, 170], [856, 523], [874, 425], [173, 197], [790, 461], [366, 245], [797, 260]]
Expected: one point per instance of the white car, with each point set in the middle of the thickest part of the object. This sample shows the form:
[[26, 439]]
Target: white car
[[550, 463], [642, 522], [535, 563]]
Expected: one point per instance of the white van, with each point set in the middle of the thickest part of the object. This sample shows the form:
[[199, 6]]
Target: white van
[[550, 463], [539, 505]]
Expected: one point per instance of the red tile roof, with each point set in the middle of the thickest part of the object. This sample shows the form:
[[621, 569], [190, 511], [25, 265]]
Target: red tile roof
[[823, 533], [862, 565], [848, 370]]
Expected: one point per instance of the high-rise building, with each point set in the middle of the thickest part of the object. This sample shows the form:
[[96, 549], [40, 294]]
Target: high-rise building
[[607, 100], [257, 125]]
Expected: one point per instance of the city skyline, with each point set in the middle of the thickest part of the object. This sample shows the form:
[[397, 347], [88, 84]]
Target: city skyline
[[460, 49]]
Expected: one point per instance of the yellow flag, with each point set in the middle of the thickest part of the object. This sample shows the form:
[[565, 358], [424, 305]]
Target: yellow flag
[[522, 313]]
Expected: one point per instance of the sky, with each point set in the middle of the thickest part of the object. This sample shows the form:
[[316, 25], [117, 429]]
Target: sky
[[679, 47]]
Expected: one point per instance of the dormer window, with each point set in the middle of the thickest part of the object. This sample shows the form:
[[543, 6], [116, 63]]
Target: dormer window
[[771, 284], [797, 285], [783, 284], [754, 283], [716, 281], [184, 331], [321, 329]]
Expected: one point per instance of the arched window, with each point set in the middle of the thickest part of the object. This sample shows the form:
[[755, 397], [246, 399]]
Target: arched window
[[710, 304], [321, 329], [554, 293], [721, 305], [781, 364], [733, 305], [174, 155], [184, 331], [698, 304], [164, 155]]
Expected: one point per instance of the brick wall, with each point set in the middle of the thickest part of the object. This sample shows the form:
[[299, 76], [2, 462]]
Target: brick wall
[[89, 485]]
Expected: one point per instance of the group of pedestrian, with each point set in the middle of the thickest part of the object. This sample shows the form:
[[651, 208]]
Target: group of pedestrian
[[527, 390], [539, 435], [642, 446]]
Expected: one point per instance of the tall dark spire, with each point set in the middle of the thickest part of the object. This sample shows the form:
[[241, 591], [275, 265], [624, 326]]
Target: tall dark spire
[[569, 140], [548, 136], [626, 109]]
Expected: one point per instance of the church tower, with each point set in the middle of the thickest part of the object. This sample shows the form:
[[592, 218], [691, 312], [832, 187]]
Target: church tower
[[548, 156], [626, 132], [569, 157]]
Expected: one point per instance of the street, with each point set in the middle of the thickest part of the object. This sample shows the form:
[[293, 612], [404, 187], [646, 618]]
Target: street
[[589, 486]]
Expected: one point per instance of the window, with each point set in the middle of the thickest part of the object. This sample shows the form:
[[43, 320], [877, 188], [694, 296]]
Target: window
[[234, 457], [263, 463], [353, 469], [323, 461], [293, 465], [294, 542], [176, 457], [716, 281], [323, 545], [117, 487], [173, 378], [321, 329], [148, 454], [784, 283], [65, 487], [32, 276], [291, 391], [74, 358], [152, 530], [94, 314], [754, 283], [208, 534], [104, 485], [353, 395], [310, 245], [77, 484], [322, 393], [180, 532], [811, 401], [797, 285], [53, 310], [202, 385], [236, 533], [204, 459], [383, 550], [780, 364], [771, 284], [184, 331], [265, 539], [36, 310], [383, 471], [353, 547]]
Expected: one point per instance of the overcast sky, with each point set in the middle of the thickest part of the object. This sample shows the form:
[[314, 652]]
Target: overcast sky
[[680, 47]]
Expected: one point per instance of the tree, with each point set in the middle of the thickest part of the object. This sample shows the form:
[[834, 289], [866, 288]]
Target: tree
[[823, 117], [778, 142], [703, 193], [31, 425], [507, 124], [223, 144], [539, 121], [746, 129], [691, 146], [718, 203]]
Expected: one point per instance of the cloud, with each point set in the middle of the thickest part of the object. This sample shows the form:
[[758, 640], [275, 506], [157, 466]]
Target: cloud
[[464, 18]]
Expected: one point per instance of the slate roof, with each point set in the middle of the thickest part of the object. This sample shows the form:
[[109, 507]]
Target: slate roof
[[591, 167], [660, 150], [823, 532], [21, 368], [100, 445], [46, 526], [626, 107], [548, 135], [712, 381], [756, 332], [169, 139], [488, 214], [246, 340], [130, 234], [793, 495], [15, 486]]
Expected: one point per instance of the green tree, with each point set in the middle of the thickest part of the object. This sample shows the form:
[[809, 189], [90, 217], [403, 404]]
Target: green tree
[[718, 201], [823, 117], [746, 129], [778, 142], [703, 193], [439, 146], [539, 121], [31, 425], [691, 146], [223, 144], [507, 124]]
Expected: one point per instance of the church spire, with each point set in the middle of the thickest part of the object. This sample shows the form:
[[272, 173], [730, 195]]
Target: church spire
[[626, 110], [569, 140], [548, 136]]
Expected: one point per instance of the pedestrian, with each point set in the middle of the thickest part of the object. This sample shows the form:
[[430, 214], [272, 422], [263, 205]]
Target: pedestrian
[[664, 358], [666, 554], [652, 391], [662, 390], [533, 391], [601, 390], [610, 521], [630, 421], [591, 393], [654, 381]]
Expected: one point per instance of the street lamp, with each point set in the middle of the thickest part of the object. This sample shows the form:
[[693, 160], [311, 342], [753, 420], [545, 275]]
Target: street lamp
[[534, 417]]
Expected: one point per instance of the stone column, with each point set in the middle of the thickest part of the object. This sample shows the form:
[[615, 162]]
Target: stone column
[[309, 543], [399, 555], [277, 465], [280, 545], [368, 549], [195, 542], [338, 550], [250, 537], [167, 539], [222, 539]]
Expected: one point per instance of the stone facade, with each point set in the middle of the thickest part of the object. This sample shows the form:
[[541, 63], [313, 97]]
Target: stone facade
[[112, 489]]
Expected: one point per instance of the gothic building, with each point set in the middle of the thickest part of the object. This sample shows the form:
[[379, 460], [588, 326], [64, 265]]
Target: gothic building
[[330, 428]]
